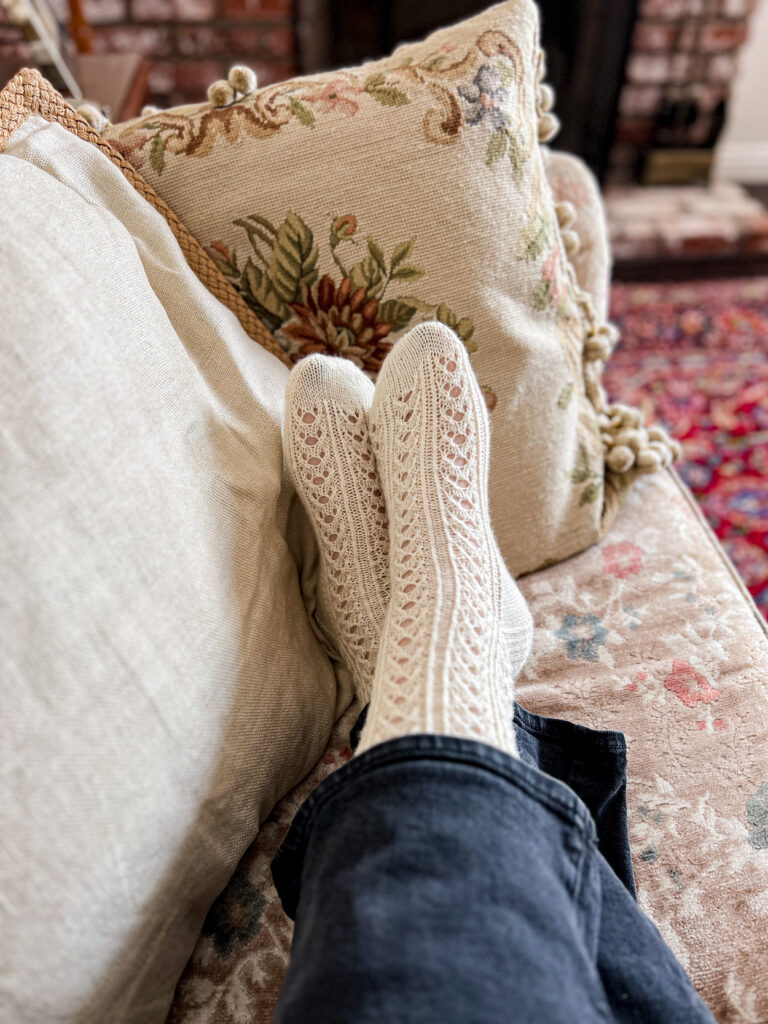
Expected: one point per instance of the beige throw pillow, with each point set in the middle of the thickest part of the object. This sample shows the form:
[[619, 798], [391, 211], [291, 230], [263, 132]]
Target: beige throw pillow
[[161, 685], [348, 206]]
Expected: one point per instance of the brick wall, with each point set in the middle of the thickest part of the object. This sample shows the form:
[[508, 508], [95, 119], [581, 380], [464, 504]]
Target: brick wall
[[190, 43], [680, 49]]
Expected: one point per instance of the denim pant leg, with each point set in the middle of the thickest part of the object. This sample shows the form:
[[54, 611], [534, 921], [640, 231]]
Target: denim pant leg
[[643, 980], [434, 879]]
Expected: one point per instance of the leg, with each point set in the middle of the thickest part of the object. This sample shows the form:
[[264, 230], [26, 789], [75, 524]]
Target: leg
[[435, 879]]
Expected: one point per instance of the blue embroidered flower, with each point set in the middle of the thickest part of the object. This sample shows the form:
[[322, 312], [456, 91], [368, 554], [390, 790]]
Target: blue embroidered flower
[[757, 816], [582, 635], [235, 917], [485, 97]]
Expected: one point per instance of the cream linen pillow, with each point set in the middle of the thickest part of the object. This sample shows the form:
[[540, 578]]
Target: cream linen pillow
[[348, 206], [162, 687]]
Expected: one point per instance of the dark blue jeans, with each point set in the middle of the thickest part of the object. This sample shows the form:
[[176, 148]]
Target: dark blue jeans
[[435, 879]]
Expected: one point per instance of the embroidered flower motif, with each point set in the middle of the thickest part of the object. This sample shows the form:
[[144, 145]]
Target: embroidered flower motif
[[344, 227], [623, 559], [757, 816], [353, 318], [336, 95], [689, 686], [485, 97], [583, 635], [342, 321], [235, 918]]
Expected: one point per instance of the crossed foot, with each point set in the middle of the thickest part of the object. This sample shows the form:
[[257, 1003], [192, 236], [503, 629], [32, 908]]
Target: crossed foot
[[413, 588]]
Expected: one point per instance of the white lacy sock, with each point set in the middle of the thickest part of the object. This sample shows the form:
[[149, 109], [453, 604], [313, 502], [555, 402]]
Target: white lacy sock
[[329, 455], [444, 662]]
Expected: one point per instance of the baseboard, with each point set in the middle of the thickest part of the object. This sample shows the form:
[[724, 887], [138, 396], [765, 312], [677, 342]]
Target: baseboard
[[745, 162]]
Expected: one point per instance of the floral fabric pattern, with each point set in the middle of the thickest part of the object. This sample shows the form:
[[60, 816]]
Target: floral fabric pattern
[[347, 207], [495, 91], [671, 653], [350, 319]]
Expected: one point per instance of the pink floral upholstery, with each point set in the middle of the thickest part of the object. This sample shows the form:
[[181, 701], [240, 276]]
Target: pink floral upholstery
[[651, 632]]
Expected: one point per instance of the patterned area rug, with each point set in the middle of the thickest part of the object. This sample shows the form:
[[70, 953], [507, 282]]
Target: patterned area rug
[[695, 357]]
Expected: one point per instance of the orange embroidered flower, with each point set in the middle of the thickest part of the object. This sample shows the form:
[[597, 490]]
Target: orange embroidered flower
[[340, 321], [344, 227]]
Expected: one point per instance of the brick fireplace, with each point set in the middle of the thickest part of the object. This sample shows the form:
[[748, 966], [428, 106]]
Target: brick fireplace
[[643, 89], [627, 96], [190, 43], [677, 80]]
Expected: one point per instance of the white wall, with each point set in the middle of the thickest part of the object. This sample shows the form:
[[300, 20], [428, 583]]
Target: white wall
[[742, 151]]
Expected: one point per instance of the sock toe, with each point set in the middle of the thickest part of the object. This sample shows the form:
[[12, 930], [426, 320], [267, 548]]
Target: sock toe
[[424, 344], [320, 378]]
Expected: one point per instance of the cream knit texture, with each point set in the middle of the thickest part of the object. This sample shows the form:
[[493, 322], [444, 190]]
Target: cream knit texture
[[329, 454], [443, 665]]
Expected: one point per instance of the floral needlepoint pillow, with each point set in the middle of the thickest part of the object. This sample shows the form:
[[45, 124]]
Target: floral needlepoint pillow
[[349, 206]]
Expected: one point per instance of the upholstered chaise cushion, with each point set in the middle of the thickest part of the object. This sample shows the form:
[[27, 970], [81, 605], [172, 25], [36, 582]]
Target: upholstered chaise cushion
[[651, 632]]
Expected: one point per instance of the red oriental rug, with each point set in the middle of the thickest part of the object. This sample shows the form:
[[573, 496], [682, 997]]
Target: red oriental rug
[[695, 358]]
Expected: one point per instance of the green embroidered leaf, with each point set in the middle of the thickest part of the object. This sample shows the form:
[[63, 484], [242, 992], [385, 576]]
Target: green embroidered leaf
[[293, 262], [157, 154], [388, 96], [590, 493], [365, 274], [357, 278], [577, 476], [497, 146], [541, 295], [434, 63], [258, 292], [374, 80], [303, 113], [397, 313], [401, 252], [255, 233], [446, 315], [582, 470], [516, 157], [465, 329], [261, 220], [372, 274], [533, 240], [565, 396], [408, 272], [375, 250], [418, 304]]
